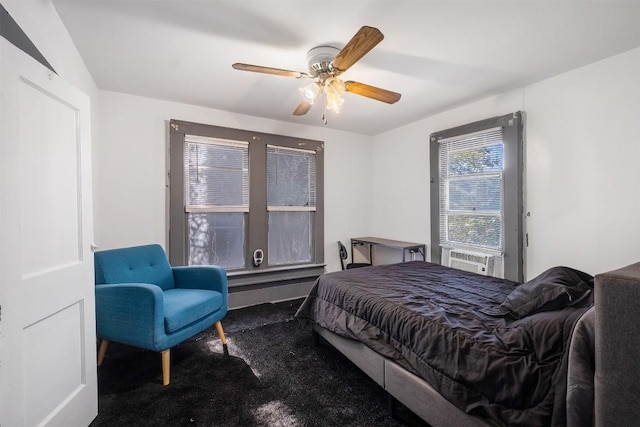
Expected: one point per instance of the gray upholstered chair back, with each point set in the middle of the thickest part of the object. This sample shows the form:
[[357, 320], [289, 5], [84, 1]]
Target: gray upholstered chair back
[[617, 347]]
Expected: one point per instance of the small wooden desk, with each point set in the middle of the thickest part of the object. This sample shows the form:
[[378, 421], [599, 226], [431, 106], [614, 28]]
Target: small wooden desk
[[409, 247]]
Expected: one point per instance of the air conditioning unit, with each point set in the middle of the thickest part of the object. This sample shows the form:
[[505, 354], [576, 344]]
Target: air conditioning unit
[[475, 262]]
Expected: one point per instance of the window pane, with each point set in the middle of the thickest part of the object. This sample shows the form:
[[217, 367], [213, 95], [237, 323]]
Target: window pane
[[487, 158], [290, 178], [476, 194], [217, 239], [475, 230], [217, 175], [289, 237], [471, 180]]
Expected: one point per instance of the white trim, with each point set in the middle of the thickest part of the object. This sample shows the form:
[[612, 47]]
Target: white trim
[[281, 148], [195, 139], [208, 209], [291, 208]]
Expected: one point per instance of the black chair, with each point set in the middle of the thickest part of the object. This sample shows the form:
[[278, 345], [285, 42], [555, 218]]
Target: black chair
[[344, 255]]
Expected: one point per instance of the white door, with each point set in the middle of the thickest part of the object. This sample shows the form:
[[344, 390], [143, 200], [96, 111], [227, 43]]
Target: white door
[[47, 324]]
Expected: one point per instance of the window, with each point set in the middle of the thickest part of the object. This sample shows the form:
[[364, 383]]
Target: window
[[233, 192], [471, 176], [477, 189], [216, 200], [291, 200]]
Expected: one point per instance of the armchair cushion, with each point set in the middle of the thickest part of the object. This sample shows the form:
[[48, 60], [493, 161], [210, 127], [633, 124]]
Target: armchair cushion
[[140, 264], [185, 306]]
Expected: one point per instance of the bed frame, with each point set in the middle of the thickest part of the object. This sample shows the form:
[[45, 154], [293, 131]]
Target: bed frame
[[409, 389], [617, 375]]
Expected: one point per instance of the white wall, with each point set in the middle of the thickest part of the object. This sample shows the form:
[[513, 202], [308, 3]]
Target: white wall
[[583, 178], [133, 164], [583, 141]]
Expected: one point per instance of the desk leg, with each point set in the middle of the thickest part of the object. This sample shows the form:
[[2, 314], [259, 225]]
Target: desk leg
[[421, 250], [360, 244], [352, 245]]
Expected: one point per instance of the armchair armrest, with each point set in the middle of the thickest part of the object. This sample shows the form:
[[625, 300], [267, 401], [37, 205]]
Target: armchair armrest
[[210, 277], [130, 313]]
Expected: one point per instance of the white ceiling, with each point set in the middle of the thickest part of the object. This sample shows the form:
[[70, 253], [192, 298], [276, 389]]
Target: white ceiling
[[437, 54]]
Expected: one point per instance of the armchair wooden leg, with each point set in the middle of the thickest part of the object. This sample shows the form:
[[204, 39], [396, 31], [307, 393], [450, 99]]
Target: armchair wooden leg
[[102, 351], [166, 366], [220, 332]]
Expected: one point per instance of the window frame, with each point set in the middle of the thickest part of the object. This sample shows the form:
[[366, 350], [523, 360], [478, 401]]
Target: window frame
[[513, 190], [310, 206], [216, 207], [257, 218]]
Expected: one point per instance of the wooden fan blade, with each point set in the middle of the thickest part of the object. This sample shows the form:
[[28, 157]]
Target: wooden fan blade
[[372, 92], [268, 70], [362, 42], [303, 108]]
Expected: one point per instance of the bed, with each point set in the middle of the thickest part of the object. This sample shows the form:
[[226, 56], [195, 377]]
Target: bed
[[463, 349]]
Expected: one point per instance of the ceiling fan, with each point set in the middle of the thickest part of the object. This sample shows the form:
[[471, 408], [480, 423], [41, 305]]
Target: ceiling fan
[[326, 64]]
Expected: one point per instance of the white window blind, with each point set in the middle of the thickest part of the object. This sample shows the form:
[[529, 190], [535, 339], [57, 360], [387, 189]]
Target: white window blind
[[216, 174], [471, 179], [291, 179]]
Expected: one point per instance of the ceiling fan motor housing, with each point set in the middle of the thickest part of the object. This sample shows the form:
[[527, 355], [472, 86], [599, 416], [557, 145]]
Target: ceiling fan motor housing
[[319, 60]]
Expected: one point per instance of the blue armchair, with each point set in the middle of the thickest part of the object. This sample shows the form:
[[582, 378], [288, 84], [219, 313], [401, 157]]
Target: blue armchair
[[144, 302]]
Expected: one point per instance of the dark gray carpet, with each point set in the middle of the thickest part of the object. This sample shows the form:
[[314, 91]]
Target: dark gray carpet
[[275, 376]]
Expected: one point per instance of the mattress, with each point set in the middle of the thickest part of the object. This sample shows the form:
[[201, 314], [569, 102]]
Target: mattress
[[431, 320]]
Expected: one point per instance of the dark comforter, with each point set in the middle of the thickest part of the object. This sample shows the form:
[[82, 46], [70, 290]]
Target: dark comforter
[[427, 318]]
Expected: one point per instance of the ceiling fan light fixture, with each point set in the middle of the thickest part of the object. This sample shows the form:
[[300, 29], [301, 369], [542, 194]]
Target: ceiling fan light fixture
[[333, 90], [310, 92]]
